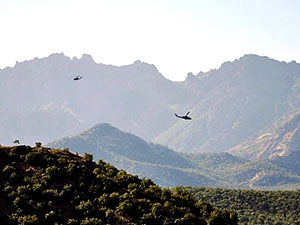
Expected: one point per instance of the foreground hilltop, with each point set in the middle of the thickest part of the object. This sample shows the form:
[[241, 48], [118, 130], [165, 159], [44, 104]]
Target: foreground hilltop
[[46, 186]]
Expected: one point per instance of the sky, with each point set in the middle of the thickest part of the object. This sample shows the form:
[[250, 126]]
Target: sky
[[177, 36]]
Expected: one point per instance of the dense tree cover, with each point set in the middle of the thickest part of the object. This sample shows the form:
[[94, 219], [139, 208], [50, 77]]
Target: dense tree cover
[[48, 186], [255, 207]]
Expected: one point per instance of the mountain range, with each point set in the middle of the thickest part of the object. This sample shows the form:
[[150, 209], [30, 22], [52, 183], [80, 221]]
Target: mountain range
[[41, 102]]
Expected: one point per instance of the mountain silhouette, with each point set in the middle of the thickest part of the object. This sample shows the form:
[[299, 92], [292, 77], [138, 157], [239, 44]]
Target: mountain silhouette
[[41, 104]]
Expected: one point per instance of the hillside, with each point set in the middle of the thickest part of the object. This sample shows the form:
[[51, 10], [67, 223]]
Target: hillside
[[129, 152], [277, 144], [278, 140], [169, 168], [234, 172], [255, 207], [49, 186]]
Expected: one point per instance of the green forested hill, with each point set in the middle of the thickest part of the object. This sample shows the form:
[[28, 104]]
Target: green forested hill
[[255, 207], [104, 140], [169, 168], [49, 186], [131, 153]]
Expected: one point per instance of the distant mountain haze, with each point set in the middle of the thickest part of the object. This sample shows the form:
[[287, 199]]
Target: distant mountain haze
[[233, 102], [41, 102]]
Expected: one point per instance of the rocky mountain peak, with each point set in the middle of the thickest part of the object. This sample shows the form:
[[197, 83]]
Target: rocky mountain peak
[[190, 77], [87, 58]]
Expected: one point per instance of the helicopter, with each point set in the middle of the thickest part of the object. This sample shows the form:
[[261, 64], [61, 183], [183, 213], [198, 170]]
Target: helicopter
[[78, 77], [185, 117]]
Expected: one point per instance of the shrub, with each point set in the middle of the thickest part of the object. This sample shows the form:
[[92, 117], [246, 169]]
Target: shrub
[[38, 144], [87, 157]]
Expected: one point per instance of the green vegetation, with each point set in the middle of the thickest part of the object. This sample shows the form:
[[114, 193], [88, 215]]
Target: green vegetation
[[255, 207], [48, 186]]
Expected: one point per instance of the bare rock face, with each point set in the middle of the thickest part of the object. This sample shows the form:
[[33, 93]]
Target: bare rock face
[[278, 140]]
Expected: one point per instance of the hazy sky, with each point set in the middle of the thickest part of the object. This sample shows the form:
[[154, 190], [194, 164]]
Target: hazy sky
[[176, 36]]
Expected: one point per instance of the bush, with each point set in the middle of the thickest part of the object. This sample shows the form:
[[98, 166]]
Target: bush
[[38, 144], [87, 157]]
